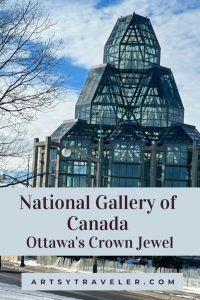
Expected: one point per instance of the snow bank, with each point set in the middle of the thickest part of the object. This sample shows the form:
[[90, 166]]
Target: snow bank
[[12, 292]]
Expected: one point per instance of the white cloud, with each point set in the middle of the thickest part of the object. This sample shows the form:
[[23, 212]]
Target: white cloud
[[84, 30], [47, 123]]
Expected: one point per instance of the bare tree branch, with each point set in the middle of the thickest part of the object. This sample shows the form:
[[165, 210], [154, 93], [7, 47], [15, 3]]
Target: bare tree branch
[[29, 78]]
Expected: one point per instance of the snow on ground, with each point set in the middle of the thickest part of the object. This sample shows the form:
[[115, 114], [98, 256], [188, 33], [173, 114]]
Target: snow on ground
[[12, 292], [192, 290]]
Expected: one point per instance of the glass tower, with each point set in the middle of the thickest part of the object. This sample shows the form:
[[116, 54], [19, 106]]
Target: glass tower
[[129, 126]]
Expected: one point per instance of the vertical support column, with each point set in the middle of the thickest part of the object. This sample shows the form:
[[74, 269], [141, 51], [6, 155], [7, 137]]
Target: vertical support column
[[100, 155], [58, 159], [142, 158], [41, 165], [110, 166], [89, 166], [35, 162], [153, 165], [194, 164], [163, 166], [46, 160], [99, 164]]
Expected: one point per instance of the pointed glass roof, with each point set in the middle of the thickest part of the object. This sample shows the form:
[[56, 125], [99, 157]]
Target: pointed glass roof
[[132, 44], [131, 85]]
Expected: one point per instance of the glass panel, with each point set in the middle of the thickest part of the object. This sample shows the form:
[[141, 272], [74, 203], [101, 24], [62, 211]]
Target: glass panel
[[125, 170], [177, 154], [72, 181], [125, 182], [127, 152], [177, 173], [51, 181]]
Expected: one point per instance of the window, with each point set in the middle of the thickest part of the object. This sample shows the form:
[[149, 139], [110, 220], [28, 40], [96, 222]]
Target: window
[[127, 152], [177, 154]]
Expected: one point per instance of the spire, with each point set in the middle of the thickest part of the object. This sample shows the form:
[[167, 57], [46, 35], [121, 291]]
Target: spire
[[132, 44]]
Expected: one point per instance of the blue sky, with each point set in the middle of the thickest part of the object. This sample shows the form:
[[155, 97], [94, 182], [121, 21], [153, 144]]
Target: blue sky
[[84, 26], [76, 75]]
